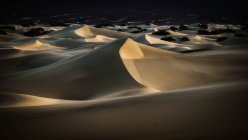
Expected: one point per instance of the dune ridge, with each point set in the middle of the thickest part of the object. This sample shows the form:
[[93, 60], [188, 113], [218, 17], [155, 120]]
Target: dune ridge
[[164, 70]]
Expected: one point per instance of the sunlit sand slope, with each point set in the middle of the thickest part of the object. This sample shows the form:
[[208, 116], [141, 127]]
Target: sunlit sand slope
[[164, 70]]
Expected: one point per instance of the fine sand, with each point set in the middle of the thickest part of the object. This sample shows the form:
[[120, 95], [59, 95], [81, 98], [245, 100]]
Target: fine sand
[[87, 83]]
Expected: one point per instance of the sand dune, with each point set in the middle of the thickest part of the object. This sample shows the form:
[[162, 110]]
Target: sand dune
[[84, 31], [83, 82], [34, 46], [164, 70], [196, 43], [157, 42], [148, 39], [24, 100], [151, 67]]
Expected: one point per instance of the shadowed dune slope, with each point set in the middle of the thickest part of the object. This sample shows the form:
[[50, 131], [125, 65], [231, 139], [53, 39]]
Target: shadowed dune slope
[[84, 76], [93, 74]]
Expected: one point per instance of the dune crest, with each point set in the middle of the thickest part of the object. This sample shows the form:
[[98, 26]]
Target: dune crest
[[164, 70]]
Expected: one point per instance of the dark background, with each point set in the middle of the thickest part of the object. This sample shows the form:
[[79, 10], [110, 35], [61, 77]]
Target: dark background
[[99, 11]]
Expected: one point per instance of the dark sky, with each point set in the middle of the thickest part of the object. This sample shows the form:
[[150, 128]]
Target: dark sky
[[219, 6], [236, 6], [210, 8], [106, 3]]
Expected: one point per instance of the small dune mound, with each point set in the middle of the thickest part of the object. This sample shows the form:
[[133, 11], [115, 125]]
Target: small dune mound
[[99, 38], [84, 31], [23, 100], [35, 45], [197, 40], [148, 39], [151, 40], [174, 33]]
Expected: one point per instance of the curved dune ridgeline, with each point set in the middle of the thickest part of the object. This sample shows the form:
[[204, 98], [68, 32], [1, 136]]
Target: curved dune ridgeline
[[164, 70]]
